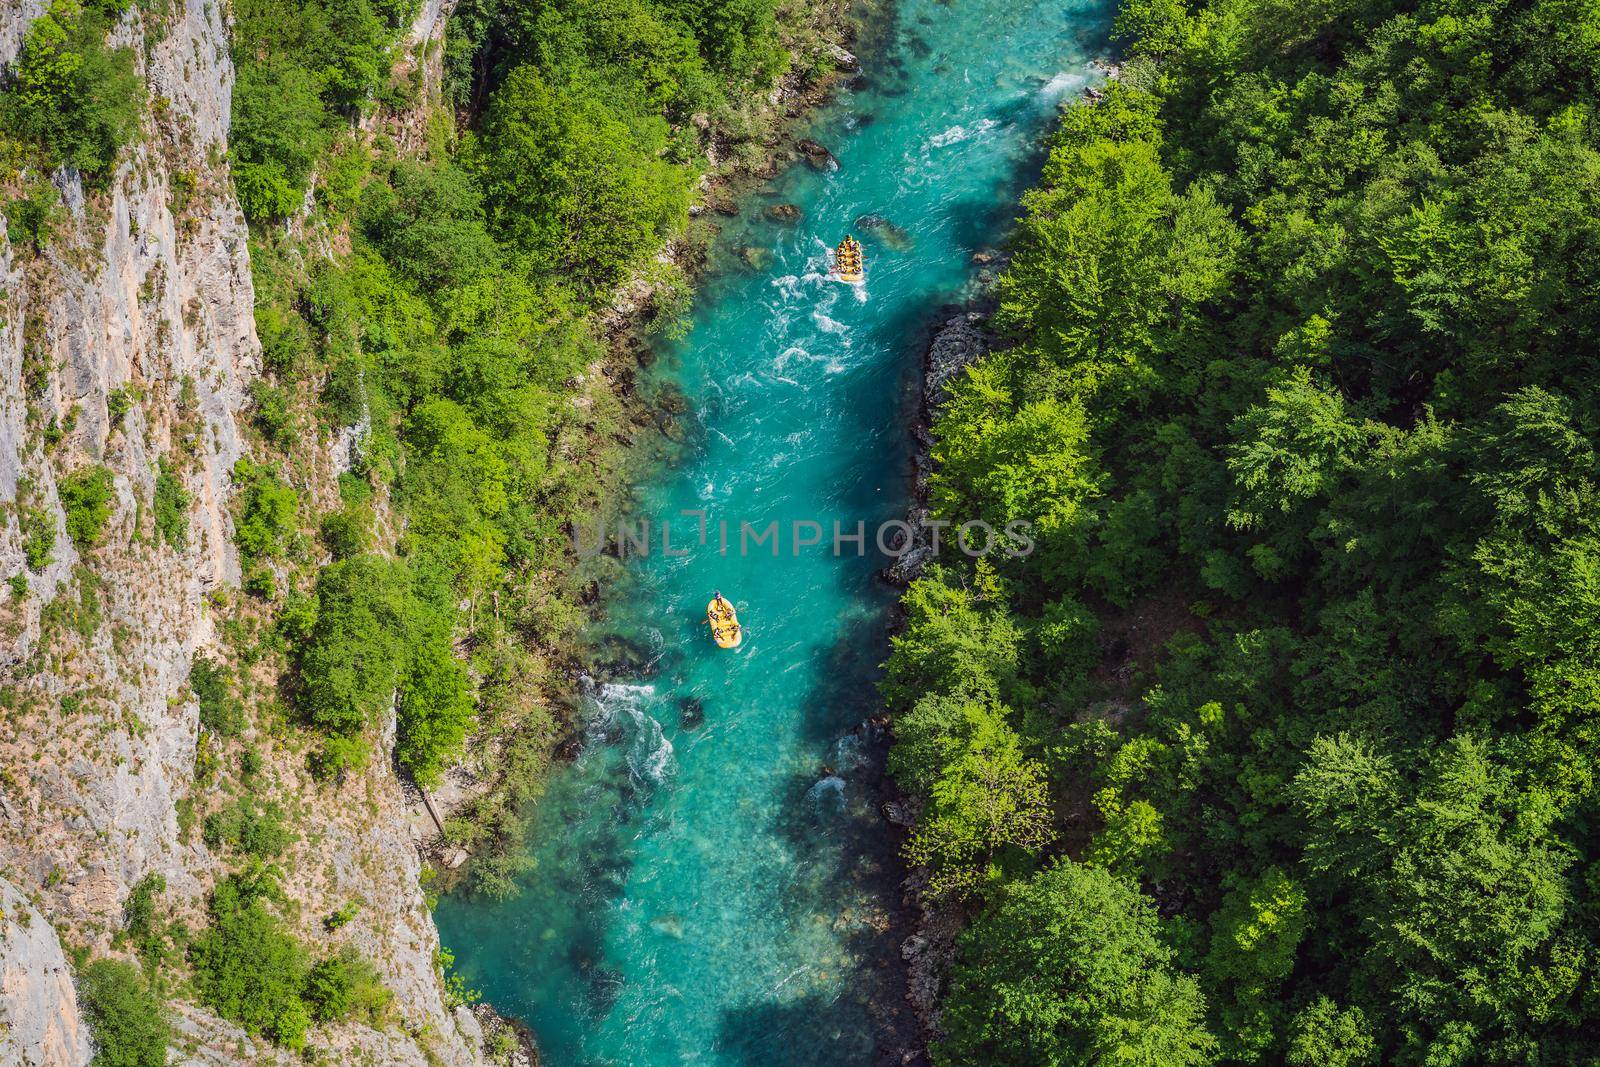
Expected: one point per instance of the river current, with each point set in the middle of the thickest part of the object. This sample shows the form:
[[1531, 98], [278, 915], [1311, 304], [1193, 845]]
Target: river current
[[714, 883]]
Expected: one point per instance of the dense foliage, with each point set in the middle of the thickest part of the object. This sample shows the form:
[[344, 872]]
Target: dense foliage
[[1299, 395], [70, 99], [250, 968], [125, 1015], [86, 496]]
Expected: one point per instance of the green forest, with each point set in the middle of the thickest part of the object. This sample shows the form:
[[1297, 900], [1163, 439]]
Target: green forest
[[1279, 748], [455, 333]]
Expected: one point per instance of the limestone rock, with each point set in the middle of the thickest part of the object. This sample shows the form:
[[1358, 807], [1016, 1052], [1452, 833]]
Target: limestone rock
[[147, 296], [39, 1018]]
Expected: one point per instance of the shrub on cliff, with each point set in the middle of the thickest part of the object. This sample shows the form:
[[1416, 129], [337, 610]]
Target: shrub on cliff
[[248, 967], [126, 1017], [267, 519], [303, 67], [435, 706], [251, 969], [221, 712], [38, 535], [346, 985], [75, 100], [171, 503], [86, 494], [278, 134], [352, 661], [250, 826]]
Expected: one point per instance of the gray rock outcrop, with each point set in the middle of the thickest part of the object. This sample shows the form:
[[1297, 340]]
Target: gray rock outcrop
[[956, 345], [39, 1020]]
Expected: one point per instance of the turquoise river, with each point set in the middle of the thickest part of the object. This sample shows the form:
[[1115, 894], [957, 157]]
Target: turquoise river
[[714, 882]]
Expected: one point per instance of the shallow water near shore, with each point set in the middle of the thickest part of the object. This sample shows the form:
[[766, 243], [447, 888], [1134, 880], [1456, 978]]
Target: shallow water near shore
[[714, 884]]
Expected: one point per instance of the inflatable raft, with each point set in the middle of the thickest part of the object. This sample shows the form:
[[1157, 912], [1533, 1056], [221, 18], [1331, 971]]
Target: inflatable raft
[[848, 264], [725, 628]]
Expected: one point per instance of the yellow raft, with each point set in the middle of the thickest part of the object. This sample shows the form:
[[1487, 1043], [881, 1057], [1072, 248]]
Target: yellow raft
[[848, 264], [725, 628]]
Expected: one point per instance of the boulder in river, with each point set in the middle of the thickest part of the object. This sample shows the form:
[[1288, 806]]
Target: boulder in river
[[885, 232], [721, 201], [618, 657], [784, 213], [755, 257], [691, 713], [816, 155]]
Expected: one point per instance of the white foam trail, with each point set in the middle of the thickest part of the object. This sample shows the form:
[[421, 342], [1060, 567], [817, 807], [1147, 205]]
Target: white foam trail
[[792, 352], [660, 762], [650, 755], [958, 133], [1062, 84], [827, 324]]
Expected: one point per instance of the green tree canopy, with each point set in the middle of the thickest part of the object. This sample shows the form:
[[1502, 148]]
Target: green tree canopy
[[1069, 968]]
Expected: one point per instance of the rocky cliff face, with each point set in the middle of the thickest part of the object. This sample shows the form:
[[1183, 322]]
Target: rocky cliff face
[[39, 1021], [127, 342]]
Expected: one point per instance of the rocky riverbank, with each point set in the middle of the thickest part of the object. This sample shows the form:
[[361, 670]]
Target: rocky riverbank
[[929, 950], [964, 337]]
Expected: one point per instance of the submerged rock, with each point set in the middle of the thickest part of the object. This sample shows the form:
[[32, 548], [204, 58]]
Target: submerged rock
[[816, 155], [885, 232], [784, 213], [755, 257], [618, 657], [671, 925], [691, 713]]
